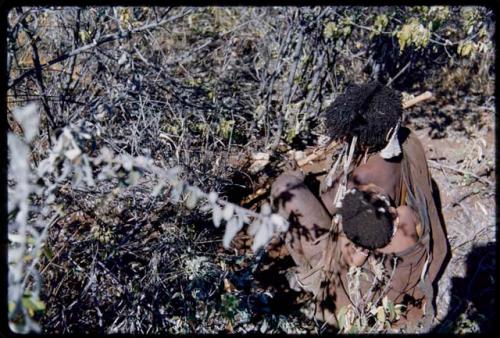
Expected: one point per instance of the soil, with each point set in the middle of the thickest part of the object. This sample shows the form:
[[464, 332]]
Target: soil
[[469, 215]]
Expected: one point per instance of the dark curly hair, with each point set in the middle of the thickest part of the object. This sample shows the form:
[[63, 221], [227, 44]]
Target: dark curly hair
[[367, 111], [366, 219]]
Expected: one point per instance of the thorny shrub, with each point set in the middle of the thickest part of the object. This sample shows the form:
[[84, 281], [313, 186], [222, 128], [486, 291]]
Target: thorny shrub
[[121, 88], [66, 161]]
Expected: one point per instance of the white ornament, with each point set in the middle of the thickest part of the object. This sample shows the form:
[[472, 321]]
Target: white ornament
[[393, 148]]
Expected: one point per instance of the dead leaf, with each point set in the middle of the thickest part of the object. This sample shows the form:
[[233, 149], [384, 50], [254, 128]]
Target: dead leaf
[[380, 314], [299, 155], [228, 286], [260, 161]]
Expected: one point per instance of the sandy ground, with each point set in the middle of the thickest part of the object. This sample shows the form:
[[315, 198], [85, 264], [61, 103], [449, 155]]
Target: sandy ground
[[468, 207]]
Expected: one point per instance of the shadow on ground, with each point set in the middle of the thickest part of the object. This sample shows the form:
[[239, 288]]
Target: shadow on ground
[[472, 302]]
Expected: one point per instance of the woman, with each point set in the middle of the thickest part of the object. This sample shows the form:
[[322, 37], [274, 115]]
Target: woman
[[389, 161]]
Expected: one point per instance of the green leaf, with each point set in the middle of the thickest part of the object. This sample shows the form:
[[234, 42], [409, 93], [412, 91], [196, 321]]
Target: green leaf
[[30, 240], [380, 23], [341, 318], [355, 327], [48, 252], [291, 134], [404, 35], [225, 128], [84, 36], [413, 32], [38, 305], [12, 306], [465, 48], [330, 30], [346, 30], [392, 311]]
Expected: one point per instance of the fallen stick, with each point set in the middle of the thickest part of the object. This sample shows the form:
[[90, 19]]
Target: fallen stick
[[258, 193], [461, 198], [417, 99], [316, 154]]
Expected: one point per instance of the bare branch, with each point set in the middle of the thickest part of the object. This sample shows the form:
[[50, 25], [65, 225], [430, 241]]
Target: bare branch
[[102, 40]]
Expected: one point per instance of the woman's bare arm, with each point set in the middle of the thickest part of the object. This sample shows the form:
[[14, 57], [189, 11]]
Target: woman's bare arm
[[352, 256]]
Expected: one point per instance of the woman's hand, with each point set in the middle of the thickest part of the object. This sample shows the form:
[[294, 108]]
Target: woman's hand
[[353, 255], [292, 168]]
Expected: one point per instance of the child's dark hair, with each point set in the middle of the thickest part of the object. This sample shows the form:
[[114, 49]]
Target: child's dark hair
[[367, 111], [366, 219]]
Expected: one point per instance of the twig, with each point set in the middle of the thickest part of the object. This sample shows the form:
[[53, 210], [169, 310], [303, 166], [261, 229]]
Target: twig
[[72, 65], [461, 198], [471, 240], [269, 82], [466, 211], [386, 287], [311, 93], [260, 192], [39, 77], [399, 74], [51, 262], [438, 165], [102, 40], [283, 116], [40, 240]]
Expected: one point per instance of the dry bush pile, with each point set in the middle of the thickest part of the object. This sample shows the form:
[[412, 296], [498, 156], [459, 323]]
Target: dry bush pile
[[202, 89]]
